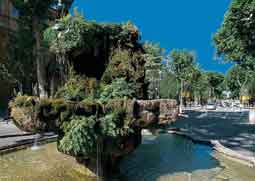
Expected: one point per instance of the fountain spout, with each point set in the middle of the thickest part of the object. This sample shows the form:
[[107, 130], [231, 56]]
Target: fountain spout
[[35, 144]]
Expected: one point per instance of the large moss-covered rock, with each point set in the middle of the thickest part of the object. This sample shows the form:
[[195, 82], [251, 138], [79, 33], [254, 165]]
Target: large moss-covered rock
[[34, 115], [85, 126]]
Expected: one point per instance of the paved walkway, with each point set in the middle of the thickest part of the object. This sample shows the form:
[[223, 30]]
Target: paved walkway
[[11, 136], [9, 129], [231, 129]]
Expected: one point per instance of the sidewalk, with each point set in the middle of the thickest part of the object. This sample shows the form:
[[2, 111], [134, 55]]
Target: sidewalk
[[11, 137], [9, 129]]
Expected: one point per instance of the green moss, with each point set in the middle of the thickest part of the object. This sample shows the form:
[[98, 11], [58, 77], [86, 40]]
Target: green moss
[[23, 101]]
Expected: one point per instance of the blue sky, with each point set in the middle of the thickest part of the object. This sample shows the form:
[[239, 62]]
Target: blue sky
[[180, 24]]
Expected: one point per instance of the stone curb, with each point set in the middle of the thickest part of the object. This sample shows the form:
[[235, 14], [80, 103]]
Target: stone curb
[[16, 135], [217, 146]]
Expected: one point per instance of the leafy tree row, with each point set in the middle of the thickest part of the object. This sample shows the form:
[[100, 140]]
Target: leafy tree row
[[235, 42]]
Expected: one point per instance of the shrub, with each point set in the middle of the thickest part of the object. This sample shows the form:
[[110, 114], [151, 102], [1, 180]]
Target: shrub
[[73, 90], [119, 88], [78, 88], [83, 133], [80, 137], [23, 101]]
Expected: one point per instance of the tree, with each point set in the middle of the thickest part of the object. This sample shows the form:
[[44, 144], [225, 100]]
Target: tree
[[215, 82], [235, 79], [154, 56], [240, 81], [200, 86], [235, 40], [169, 86], [34, 15], [183, 64]]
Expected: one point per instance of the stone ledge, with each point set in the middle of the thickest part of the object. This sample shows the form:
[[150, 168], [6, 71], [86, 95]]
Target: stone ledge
[[16, 135]]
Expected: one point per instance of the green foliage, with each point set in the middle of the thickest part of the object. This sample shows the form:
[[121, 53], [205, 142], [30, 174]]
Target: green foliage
[[23, 101], [20, 64], [154, 56], [183, 63], [235, 79], [216, 83], [169, 86], [71, 33], [250, 86], [115, 124], [240, 81], [34, 8], [34, 16], [200, 86], [128, 65], [59, 106], [73, 90], [153, 52], [82, 134], [119, 88], [75, 33], [125, 64], [236, 38], [80, 137], [78, 88]]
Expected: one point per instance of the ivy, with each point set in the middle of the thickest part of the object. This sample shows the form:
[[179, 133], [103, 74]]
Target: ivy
[[74, 32]]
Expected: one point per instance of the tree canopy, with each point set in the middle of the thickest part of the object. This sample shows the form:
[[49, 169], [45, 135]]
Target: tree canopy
[[216, 83], [183, 63], [235, 40]]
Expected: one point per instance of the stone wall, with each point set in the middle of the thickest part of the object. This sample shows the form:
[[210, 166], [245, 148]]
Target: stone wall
[[156, 112]]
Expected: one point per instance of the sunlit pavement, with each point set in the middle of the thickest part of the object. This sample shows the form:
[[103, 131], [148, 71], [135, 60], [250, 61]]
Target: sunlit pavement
[[11, 136], [8, 128], [230, 128]]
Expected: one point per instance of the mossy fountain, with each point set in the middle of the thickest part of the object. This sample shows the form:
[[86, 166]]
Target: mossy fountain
[[96, 82]]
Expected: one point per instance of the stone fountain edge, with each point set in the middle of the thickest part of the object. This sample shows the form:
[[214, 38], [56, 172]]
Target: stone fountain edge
[[217, 146]]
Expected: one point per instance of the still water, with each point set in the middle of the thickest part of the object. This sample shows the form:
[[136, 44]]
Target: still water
[[44, 164], [159, 158], [174, 158]]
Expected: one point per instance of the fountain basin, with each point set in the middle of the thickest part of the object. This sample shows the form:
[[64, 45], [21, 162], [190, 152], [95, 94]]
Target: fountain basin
[[160, 157]]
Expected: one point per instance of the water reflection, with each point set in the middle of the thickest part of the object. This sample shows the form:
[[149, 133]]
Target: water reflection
[[173, 158], [167, 155]]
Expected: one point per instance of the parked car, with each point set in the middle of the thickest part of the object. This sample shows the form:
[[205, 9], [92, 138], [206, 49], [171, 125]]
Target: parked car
[[211, 106]]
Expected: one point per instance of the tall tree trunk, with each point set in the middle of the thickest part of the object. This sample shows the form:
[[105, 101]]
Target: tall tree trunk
[[40, 62]]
